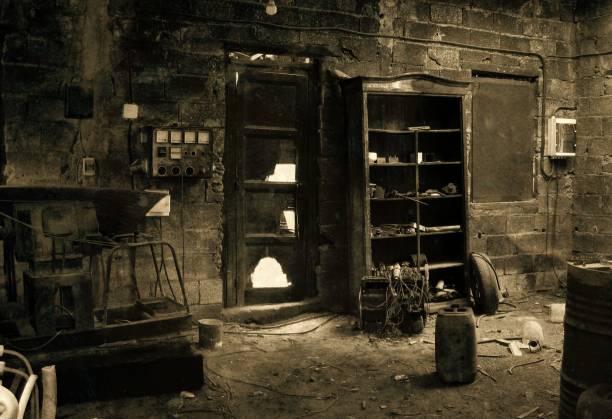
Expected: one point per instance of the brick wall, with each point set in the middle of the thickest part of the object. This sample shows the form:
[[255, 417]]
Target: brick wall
[[592, 212], [176, 52]]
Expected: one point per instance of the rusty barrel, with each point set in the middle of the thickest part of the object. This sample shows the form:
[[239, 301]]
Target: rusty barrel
[[587, 345]]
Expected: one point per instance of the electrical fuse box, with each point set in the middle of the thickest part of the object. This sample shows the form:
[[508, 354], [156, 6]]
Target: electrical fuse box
[[561, 138], [180, 152]]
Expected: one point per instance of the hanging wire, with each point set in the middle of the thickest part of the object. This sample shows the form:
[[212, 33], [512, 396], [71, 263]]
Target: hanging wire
[[407, 292]]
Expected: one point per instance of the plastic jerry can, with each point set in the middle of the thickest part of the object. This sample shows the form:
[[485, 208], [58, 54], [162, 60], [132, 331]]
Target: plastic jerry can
[[456, 345]]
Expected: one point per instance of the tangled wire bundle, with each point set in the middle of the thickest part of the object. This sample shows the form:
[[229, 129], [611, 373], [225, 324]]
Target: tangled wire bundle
[[406, 293]]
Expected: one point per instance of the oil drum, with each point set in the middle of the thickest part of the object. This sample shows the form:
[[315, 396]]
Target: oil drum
[[587, 345], [456, 345], [595, 403]]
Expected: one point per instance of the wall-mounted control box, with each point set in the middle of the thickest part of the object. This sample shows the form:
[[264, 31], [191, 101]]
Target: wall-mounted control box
[[180, 152], [561, 138]]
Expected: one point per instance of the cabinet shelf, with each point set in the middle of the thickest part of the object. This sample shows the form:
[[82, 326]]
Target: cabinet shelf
[[399, 164], [381, 113], [402, 131], [423, 233], [428, 163], [419, 197], [427, 197], [443, 265], [438, 163], [412, 198]]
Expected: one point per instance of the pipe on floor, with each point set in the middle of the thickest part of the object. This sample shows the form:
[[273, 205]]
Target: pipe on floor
[[49, 390]]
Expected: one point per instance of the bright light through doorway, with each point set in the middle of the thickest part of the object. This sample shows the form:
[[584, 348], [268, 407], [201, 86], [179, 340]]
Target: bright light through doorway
[[269, 274], [282, 173], [290, 220]]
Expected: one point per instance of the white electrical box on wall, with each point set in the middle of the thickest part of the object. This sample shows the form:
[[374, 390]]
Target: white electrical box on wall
[[560, 138], [130, 111]]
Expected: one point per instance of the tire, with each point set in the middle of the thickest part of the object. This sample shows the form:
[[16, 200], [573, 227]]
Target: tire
[[483, 284]]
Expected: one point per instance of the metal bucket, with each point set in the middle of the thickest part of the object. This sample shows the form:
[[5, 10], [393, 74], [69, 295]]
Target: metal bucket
[[587, 345]]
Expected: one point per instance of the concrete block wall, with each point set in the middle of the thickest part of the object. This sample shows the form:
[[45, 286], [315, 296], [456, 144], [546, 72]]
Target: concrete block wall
[[176, 53], [528, 241], [592, 211]]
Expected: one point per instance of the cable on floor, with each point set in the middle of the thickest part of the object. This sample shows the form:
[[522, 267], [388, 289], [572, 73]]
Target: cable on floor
[[238, 332]]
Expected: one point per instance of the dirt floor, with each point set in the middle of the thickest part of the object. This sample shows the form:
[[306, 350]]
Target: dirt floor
[[336, 371]]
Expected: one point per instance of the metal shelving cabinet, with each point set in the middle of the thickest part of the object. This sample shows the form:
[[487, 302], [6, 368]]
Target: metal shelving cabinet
[[406, 135]]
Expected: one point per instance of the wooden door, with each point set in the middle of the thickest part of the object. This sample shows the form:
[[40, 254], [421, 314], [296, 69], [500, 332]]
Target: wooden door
[[268, 125]]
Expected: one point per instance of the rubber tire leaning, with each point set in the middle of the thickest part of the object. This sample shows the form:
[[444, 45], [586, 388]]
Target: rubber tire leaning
[[483, 284]]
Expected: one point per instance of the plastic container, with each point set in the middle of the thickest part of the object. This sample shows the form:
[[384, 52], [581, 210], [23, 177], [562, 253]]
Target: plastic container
[[557, 313], [533, 335], [210, 333], [456, 345]]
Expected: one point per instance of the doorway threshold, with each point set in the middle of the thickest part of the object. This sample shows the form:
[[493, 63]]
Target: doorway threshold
[[269, 313]]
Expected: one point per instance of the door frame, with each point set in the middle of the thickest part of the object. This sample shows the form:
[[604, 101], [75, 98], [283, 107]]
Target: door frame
[[233, 290]]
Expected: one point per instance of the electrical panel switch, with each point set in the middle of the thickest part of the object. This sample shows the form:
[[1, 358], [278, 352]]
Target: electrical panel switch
[[180, 152], [89, 166]]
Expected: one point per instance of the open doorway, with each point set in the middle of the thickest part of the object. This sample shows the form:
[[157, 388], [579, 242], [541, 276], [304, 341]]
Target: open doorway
[[269, 157]]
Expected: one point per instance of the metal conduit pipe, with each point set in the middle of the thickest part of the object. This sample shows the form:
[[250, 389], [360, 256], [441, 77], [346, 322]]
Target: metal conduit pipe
[[49, 390], [22, 358], [25, 396], [28, 366]]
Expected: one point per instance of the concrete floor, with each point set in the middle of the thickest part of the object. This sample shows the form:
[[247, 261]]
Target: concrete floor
[[337, 371]]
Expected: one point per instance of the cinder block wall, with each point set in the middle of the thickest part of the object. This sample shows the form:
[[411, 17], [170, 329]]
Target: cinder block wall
[[593, 195], [176, 53]]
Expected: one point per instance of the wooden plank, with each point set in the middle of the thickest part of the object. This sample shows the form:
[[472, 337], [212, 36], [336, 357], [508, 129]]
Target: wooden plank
[[356, 120], [443, 265], [169, 322], [269, 238], [145, 370], [420, 197], [423, 233], [264, 130], [425, 131], [438, 163], [430, 197], [392, 164], [256, 185]]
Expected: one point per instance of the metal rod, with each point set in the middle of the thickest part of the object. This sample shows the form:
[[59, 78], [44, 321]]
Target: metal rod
[[178, 273], [418, 206], [132, 248], [157, 271]]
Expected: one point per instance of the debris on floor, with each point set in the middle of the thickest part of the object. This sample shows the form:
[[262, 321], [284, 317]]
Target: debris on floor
[[323, 368]]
